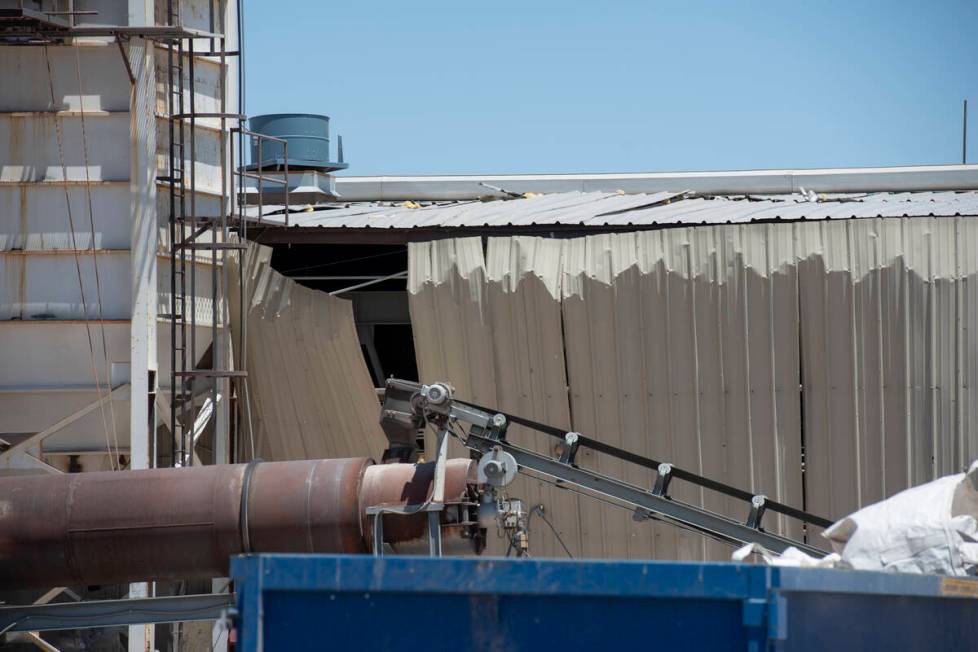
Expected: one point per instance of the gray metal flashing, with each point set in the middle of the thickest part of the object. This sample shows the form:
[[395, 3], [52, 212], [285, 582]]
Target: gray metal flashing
[[461, 187]]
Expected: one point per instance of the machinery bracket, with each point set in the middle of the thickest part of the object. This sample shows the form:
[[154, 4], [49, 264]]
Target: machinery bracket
[[662, 480], [758, 505]]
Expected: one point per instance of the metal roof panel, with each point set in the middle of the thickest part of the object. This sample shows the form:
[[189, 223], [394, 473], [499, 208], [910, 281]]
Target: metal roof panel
[[614, 209]]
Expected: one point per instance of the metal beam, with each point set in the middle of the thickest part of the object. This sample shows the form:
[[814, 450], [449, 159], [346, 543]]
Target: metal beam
[[399, 236], [651, 505], [25, 461], [31, 638], [381, 279], [33, 440], [109, 613]]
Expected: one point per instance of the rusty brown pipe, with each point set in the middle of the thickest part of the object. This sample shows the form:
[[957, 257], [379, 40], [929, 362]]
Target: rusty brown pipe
[[114, 527]]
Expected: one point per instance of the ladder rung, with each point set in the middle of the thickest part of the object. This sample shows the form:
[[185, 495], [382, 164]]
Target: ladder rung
[[212, 373], [211, 245]]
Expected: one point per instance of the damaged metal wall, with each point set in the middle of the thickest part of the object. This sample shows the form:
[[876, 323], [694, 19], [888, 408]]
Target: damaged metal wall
[[310, 393], [723, 349]]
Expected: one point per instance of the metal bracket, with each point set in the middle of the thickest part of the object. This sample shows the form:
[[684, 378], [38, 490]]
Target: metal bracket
[[434, 524], [119, 41], [758, 504], [434, 505], [568, 450], [662, 480]]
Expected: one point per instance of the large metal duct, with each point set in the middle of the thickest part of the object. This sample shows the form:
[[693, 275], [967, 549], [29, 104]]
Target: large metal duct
[[114, 527]]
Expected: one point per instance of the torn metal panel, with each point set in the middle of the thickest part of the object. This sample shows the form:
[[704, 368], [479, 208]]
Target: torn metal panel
[[453, 338], [523, 290], [311, 395]]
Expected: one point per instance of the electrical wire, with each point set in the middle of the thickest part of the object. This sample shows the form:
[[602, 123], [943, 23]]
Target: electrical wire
[[538, 509], [74, 247], [11, 626], [224, 632], [91, 223], [652, 517]]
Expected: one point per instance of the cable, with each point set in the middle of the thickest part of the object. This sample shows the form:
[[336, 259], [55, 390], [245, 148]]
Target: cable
[[459, 436], [74, 247], [224, 632], [91, 223], [11, 626], [652, 517], [538, 509]]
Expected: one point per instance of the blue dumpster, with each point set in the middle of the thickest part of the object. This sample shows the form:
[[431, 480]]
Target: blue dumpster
[[305, 602]]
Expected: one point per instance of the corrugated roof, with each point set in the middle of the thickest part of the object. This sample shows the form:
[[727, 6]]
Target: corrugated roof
[[613, 209]]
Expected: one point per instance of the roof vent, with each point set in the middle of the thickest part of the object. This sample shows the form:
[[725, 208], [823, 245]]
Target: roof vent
[[309, 180], [307, 135]]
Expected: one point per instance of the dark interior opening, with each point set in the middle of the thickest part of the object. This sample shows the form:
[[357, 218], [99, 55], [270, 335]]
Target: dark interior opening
[[380, 307]]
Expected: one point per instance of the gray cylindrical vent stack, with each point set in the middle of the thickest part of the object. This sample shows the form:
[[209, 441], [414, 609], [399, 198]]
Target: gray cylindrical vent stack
[[308, 138]]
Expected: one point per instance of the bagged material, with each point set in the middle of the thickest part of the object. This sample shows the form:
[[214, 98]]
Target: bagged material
[[790, 557], [932, 528], [929, 529]]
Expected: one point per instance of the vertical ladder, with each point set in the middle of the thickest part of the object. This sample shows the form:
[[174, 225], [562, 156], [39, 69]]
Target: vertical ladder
[[180, 392], [191, 232]]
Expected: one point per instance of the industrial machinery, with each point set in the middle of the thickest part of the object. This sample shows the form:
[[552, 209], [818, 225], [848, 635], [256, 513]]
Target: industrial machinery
[[71, 529], [66, 530], [409, 407]]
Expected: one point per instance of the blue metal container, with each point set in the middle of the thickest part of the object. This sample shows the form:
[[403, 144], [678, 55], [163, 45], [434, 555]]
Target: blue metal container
[[305, 602], [307, 135]]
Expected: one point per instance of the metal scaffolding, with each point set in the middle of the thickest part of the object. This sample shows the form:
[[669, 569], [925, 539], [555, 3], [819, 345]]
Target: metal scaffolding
[[192, 235]]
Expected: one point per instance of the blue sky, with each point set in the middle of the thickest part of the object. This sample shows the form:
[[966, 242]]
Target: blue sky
[[464, 87]]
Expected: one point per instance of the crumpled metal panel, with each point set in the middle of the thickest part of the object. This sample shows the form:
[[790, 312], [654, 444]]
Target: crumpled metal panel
[[523, 290], [311, 395], [728, 350], [449, 314], [487, 327]]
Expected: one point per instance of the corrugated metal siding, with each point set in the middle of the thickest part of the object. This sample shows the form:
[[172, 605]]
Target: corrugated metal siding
[[449, 313], [889, 360], [724, 349], [311, 394], [676, 357], [489, 331], [531, 380]]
